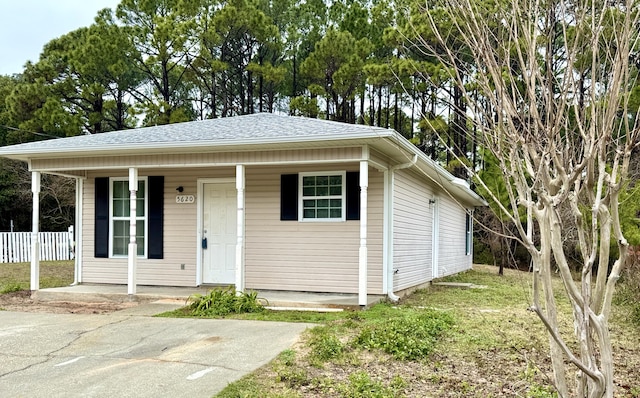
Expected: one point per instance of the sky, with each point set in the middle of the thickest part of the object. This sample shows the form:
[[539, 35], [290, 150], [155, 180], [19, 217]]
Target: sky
[[27, 25]]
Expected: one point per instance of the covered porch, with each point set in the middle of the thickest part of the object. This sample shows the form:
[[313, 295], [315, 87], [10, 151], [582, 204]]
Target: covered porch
[[279, 300], [182, 220]]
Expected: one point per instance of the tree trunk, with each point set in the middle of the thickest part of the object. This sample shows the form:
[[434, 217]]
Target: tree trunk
[[542, 273], [261, 93], [361, 117], [388, 108], [372, 105], [294, 83], [379, 123], [396, 124], [249, 92]]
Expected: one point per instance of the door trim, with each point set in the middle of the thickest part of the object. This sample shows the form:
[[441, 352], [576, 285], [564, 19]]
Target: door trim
[[200, 211]]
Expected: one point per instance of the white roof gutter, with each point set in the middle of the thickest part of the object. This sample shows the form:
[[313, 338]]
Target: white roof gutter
[[459, 184]]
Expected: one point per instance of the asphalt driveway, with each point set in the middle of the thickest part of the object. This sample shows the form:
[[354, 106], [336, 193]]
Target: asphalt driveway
[[116, 355]]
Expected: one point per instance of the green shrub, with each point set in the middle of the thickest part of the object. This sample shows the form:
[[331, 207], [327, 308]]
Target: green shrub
[[410, 335], [249, 302], [221, 302]]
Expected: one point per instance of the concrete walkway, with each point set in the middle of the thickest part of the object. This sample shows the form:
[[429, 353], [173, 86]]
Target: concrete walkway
[[124, 354], [118, 293]]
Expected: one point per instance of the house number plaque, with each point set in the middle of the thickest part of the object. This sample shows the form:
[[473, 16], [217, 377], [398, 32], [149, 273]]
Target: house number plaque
[[185, 198]]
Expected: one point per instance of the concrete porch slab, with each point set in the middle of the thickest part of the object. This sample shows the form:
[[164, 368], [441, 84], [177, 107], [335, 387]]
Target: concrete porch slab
[[95, 293]]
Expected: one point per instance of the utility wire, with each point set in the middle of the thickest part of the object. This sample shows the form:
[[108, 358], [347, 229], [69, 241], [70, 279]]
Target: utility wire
[[31, 132]]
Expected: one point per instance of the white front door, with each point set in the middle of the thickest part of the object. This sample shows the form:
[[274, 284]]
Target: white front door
[[219, 233]]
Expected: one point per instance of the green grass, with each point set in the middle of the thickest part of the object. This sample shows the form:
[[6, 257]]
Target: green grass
[[268, 315], [440, 341], [16, 276]]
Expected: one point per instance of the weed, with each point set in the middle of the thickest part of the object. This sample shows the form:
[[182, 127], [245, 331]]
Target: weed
[[537, 391], [362, 386], [324, 344], [398, 383], [287, 372], [10, 287], [465, 388], [287, 357], [221, 302], [409, 335], [293, 377]]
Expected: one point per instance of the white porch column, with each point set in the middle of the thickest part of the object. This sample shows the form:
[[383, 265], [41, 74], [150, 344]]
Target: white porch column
[[35, 224], [78, 231], [362, 268], [240, 185], [133, 246]]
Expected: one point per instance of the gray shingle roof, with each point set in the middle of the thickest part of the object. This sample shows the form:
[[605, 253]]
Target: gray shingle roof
[[261, 127]]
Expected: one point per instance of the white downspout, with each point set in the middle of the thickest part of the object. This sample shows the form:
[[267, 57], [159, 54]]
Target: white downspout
[[390, 189]]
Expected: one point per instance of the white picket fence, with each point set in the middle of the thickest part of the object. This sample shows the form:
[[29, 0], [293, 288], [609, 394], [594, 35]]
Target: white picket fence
[[15, 247]]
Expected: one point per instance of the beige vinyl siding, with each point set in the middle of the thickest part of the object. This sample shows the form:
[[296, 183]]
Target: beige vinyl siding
[[379, 159], [180, 233], [307, 256], [451, 252], [279, 255], [412, 230], [201, 159]]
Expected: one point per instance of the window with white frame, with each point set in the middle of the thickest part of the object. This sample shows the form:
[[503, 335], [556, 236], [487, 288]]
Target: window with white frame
[[322, 196], [120, 199]]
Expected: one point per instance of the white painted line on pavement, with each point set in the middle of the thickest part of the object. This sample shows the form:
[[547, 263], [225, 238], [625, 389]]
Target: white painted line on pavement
[[69, 362], [199, 374]]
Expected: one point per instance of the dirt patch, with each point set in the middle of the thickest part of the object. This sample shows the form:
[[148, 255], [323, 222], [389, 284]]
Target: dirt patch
[[21, 301]]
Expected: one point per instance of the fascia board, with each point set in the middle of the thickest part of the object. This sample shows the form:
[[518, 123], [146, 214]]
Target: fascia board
[[188, 146]]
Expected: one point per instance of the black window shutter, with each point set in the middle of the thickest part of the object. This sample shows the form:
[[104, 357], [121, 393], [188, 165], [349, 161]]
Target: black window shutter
[[353, 195], [155, 242], [289, 197], [101, 236]]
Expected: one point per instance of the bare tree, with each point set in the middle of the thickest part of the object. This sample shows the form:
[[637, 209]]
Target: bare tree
[[553, 80]]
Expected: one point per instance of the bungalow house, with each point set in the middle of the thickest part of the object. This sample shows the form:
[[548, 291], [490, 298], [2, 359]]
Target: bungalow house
[[260, 201]]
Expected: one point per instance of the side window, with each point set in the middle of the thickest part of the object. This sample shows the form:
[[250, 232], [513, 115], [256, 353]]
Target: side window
[[322, 196], [319, 193]]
